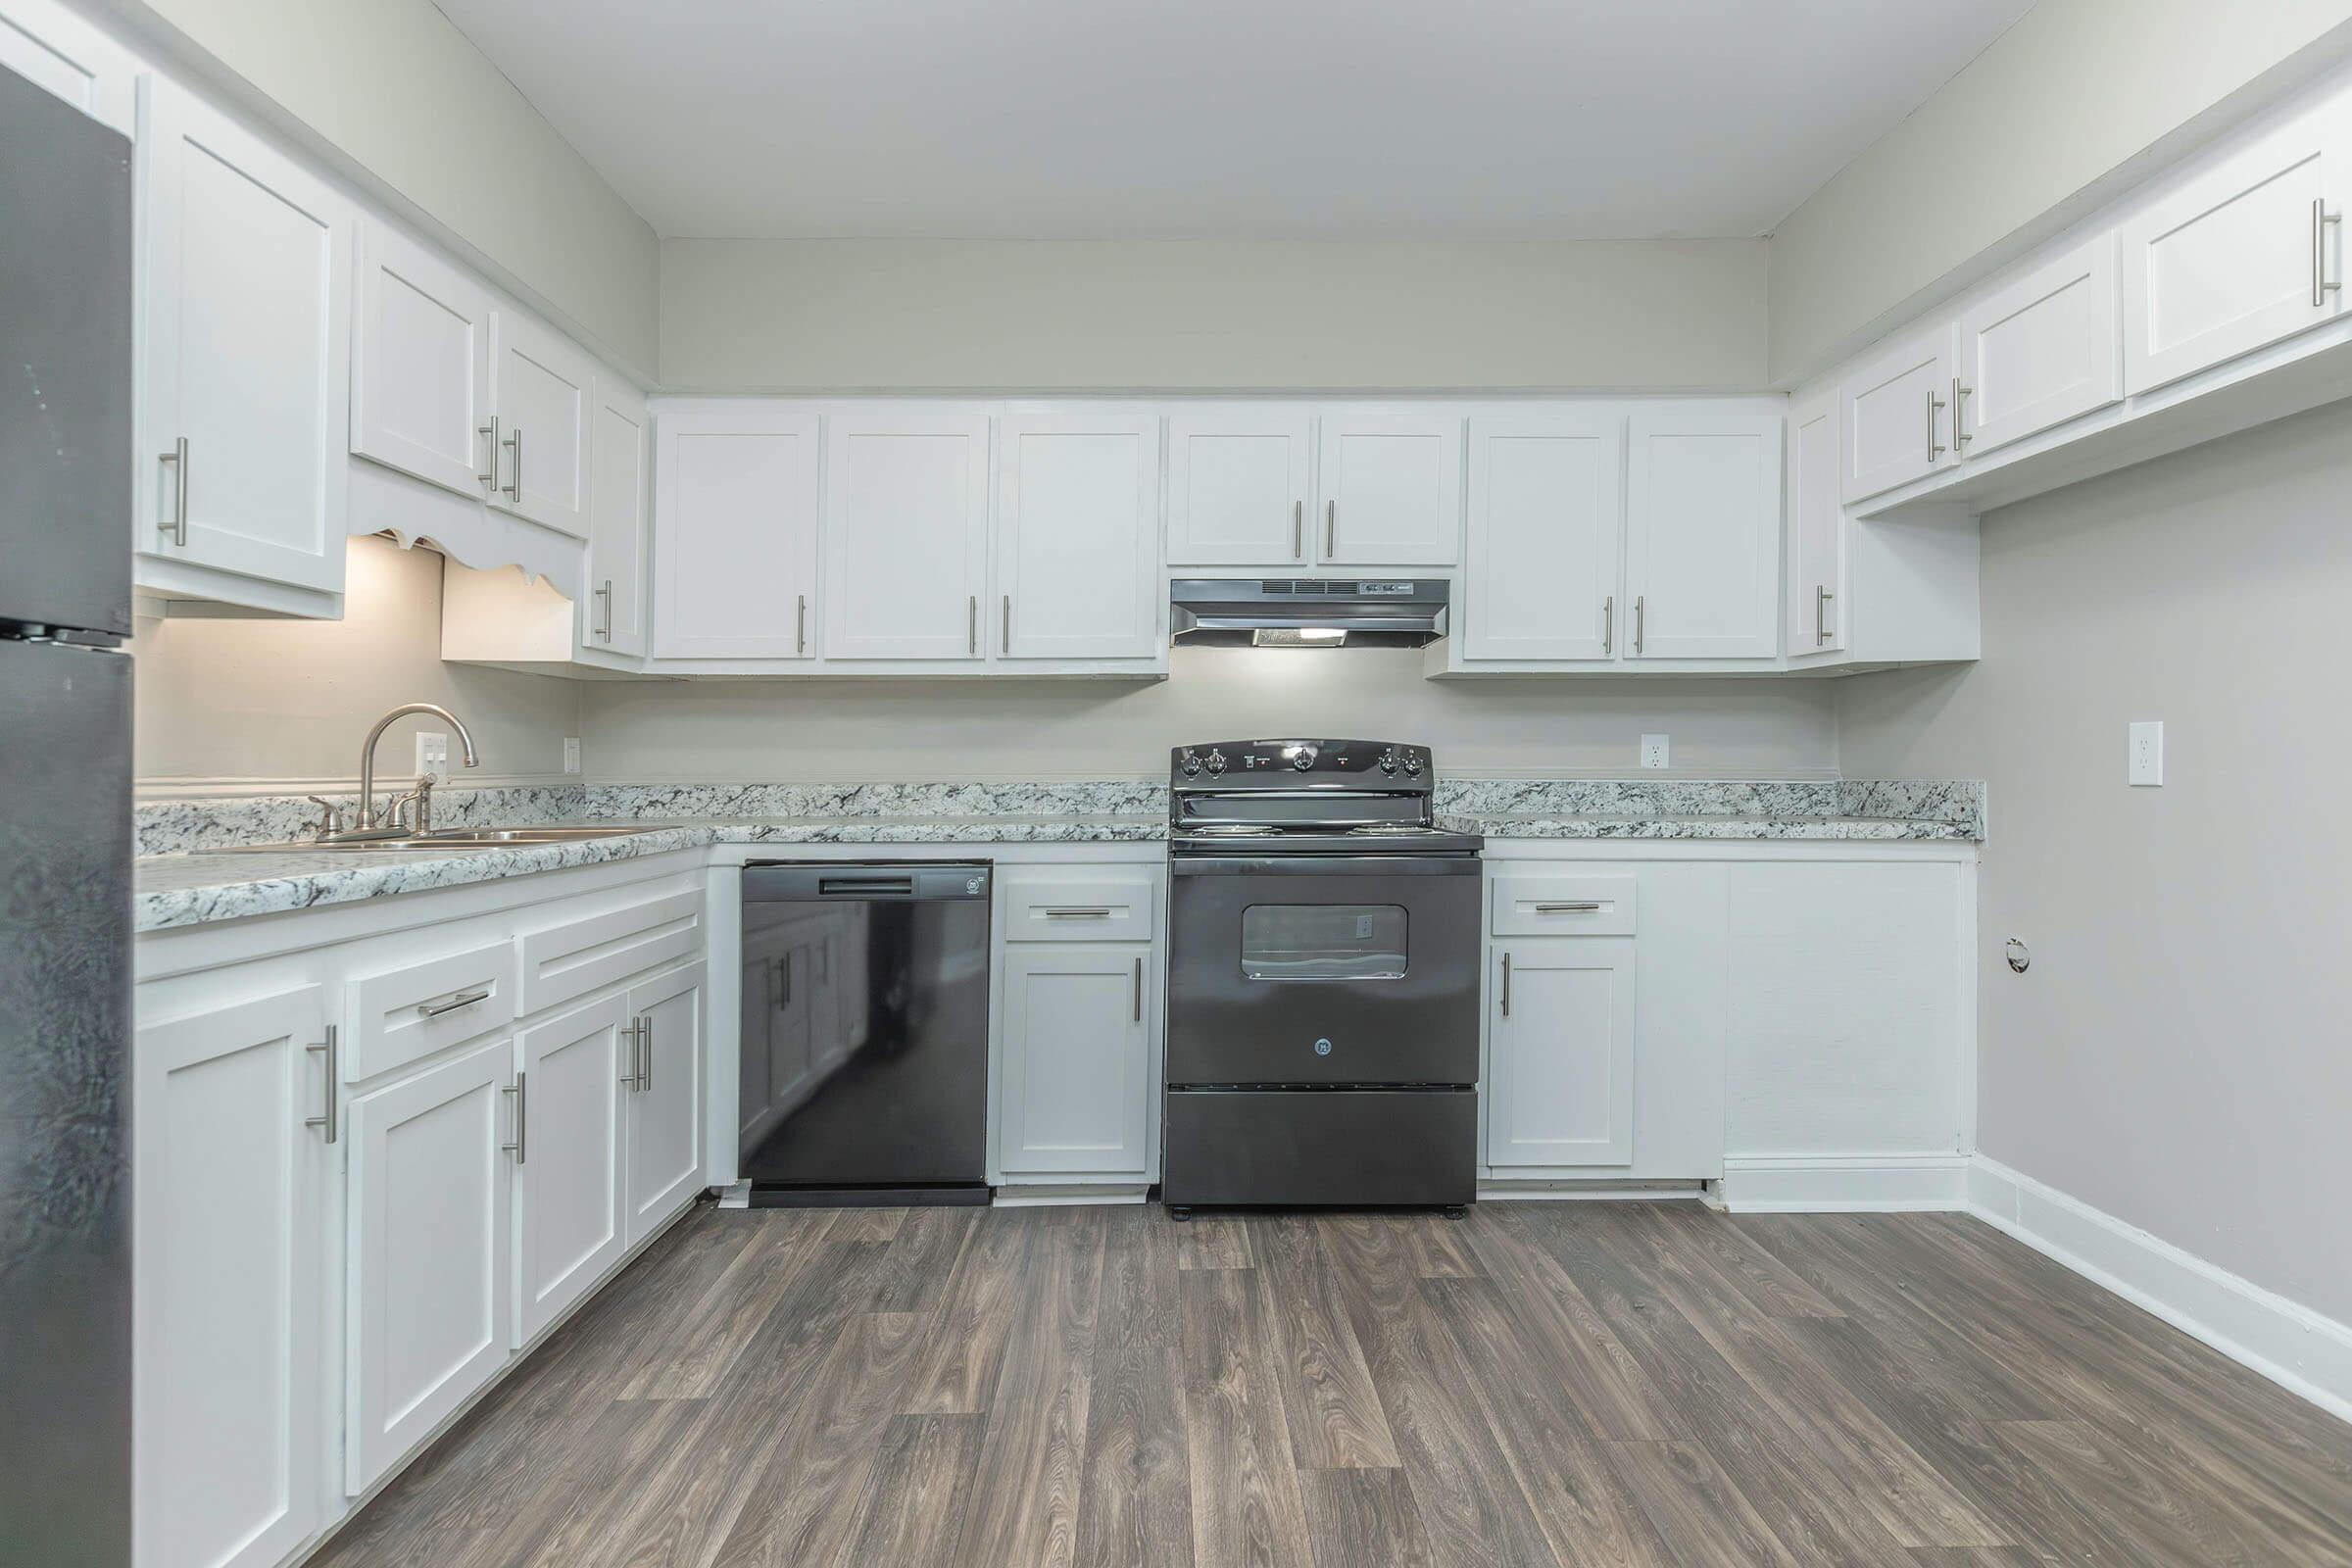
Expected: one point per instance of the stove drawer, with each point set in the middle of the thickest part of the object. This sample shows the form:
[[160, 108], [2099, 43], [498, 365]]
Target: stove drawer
[[1374, 1148], [1552, 904]]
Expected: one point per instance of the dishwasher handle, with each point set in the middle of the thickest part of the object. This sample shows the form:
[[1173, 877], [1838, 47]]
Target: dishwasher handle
[[852, 882]]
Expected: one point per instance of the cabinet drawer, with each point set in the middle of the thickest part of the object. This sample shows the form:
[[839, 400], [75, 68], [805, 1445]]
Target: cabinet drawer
[[1066, 908], [406, 1012], [1531, 904], [575, 957]]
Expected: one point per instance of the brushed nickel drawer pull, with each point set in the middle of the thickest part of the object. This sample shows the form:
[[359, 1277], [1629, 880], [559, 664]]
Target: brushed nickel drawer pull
[[1073, 911], [464, 999], [1574, 906]]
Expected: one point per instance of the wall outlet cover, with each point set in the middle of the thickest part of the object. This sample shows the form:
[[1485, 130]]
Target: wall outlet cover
[[571, 754], [432, 753], [2146, 767], [1654, 751]]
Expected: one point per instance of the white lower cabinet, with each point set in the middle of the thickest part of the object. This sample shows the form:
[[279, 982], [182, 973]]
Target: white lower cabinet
[[569, 1083], [1077, 1059], [230, 1186], [429, 1251], [1562, 1037], [661, 1109]]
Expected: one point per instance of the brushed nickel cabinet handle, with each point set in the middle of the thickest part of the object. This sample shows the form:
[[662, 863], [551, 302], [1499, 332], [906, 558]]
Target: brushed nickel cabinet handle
[[177, 530], [1934, 403], [971, 627], [1331, 528], [1641, 620], [634, 1079], [645, 1051], [1506, 985], [784, 965], [604, 598], [1821, 614], [1297, 530], [1008, 625], [2320, 218], [490, 430], [801, 644], [464, 999], [1572, 907], [1960, 436], [1608, 626], [514, 445], [329, 1119], [1074, 912], [519, 1089], [1139, 989]]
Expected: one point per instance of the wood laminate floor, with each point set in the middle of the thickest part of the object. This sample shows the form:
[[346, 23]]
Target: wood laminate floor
[[1605, 1383]]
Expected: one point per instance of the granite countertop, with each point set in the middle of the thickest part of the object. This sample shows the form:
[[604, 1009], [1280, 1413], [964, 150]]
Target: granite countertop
[[1547, 825]]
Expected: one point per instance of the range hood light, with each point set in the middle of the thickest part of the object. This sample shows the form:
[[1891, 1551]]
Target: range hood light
[[1299, 637]]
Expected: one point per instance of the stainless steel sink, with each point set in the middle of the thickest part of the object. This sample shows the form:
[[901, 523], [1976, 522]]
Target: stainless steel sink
[[461, 838]]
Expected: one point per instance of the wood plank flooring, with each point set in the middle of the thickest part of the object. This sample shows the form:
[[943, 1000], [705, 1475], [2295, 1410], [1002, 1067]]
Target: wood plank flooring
[[1540, 1384]]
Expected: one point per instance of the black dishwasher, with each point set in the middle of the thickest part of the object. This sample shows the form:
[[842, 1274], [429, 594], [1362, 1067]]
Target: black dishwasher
[[863, 1074]]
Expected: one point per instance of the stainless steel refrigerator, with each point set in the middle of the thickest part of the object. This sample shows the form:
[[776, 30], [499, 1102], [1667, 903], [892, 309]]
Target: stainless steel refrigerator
[[66, 488]]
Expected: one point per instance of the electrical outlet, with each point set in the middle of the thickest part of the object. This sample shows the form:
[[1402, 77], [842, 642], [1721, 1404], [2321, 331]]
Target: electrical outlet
[[433, 753], [1654, 751], [571, 754], [2146, 765]]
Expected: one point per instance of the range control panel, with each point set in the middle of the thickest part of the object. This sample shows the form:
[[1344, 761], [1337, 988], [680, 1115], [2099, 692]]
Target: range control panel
[[1315, 763]]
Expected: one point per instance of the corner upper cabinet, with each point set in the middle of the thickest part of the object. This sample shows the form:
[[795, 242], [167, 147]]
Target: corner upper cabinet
[[1240, 485], [2039, 351], [54, 49], [541, 393], [1077, 550], [1389, 486], [1895, 414], [735, 534], [244, 392], [2242, 253], [421, 366], [613, 618], [905, 535], [1702, 535], [1543, 557]]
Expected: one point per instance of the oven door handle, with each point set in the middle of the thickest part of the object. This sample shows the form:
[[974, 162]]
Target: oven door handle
[[1320, 865]]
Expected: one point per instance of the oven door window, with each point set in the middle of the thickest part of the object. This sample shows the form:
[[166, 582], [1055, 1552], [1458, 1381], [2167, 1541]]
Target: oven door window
[[1323, 942]]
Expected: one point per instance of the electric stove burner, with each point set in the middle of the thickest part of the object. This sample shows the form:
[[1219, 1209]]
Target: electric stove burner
[[1389, 830], [1233, 830]]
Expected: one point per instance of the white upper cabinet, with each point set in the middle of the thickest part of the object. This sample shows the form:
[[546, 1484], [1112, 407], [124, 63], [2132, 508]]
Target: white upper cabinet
[[614, 599], [1389, 484], [905, 535], [51, 47], [1895, 414], [541, 389], [1817, 598], [2039, 351], [421, 366], [735, 535], [1078, 536], [1239, 485], [1542, 563], [1702, 534], [245, 392], [2240, 254]]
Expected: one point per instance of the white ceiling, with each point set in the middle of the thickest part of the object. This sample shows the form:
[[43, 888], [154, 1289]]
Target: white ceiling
[[1061, 119]]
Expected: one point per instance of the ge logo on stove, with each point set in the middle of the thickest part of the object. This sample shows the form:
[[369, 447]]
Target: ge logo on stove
[[1322, 1048], [972, 886]]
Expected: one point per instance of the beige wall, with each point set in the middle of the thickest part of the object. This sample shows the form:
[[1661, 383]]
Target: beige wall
[[2067, 98], [852, 730], [399, 90], [818, 316], [287, 699], [2176, 1054]]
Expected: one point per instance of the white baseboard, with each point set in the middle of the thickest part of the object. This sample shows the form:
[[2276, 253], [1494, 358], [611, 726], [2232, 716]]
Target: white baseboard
[[1044, 1196], [1843, 1184], [2286, 1342]]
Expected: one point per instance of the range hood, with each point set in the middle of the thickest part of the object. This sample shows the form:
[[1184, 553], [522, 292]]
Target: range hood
[[1308, 612]]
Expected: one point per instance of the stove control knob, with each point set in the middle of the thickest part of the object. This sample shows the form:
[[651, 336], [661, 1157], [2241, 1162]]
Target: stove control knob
[[1190, 762], [1412, 765], [1302, 759], [1388, 760], [1216, 762]]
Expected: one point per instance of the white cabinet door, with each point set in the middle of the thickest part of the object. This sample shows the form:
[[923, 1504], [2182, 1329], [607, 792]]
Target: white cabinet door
[[1077, 1059], [1541, 561], [1561, 1043], [245, 396], [664, 1106], [229, 1187], [51, 47], [613, 607], [567, 1173], [905, 535], [1817, 608], [1238, 482], [1078, 536], [735, 531], [1702, 534], [2040, 351], [2237, 256], [1895, 414], [541, 389], [430, 1264], [421, 366], [1391, 487]]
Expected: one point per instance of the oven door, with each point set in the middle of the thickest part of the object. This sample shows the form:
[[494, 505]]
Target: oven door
[[1297, 969]]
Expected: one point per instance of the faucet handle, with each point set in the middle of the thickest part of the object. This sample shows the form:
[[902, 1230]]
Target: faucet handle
[[330, 816]]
